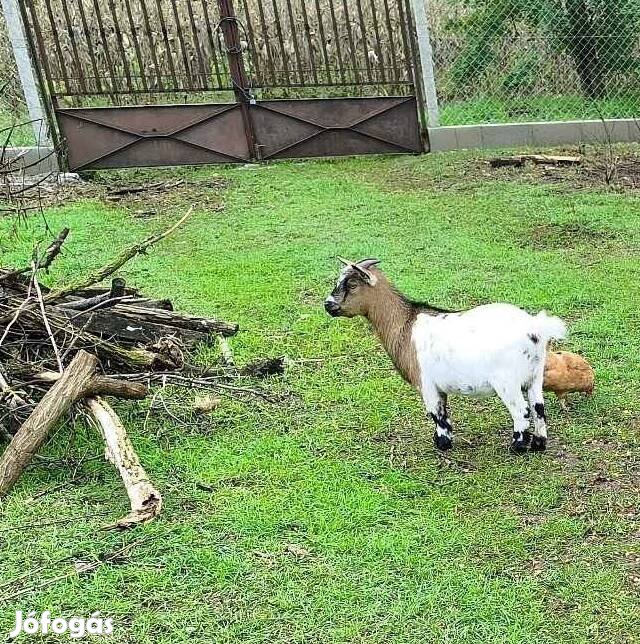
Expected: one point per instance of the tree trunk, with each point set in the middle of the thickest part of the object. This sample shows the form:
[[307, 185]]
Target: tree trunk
[[584, 47]]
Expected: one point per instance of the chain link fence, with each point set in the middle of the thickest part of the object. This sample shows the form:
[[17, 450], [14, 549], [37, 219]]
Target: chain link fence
[[535, 60]]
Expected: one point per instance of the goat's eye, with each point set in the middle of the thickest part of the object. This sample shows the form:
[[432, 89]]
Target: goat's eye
[[352, 285]]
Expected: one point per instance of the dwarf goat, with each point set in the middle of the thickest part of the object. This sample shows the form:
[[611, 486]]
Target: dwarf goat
[[496, 349]]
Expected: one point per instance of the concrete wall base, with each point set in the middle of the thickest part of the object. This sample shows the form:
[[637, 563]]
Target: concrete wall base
[[34, 160], [547, 133]]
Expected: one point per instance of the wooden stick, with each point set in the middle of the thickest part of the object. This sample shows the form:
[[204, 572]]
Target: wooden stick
[[55, 403], [227, 353], [105, 386], [45, 320], [49, 255], [110, 268], [146, 501]]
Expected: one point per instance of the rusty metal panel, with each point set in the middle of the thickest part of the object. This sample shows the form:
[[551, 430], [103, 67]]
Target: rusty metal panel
[[123, 137], [336, 127]]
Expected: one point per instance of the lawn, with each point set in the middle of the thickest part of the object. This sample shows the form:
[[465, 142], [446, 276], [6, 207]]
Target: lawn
[[328, 517]]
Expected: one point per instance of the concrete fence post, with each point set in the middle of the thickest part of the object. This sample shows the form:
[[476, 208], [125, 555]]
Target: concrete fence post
[[421, 19], [22, 55]]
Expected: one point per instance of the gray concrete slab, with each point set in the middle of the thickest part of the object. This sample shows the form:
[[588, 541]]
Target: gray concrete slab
[[509, 135], [34, 160]]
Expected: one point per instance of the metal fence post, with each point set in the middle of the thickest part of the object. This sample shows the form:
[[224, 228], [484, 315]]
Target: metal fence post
[[22, 55], [419, 8], [233, 48]]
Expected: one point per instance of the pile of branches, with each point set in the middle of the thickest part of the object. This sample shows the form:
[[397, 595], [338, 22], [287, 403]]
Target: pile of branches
[[68, 347]]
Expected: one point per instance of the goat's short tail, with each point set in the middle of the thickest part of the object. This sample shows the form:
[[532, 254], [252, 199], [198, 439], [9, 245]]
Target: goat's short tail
[[549, 327]]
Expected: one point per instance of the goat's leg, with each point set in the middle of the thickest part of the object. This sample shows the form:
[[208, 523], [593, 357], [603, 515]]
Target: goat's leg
[[536, 400], [514, 401], [436, 404]]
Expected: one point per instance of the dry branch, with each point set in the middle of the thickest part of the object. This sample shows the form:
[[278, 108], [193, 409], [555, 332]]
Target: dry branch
[[71, 386], [145, 499], [105, 386], [45, 261], [78, 381], [108, 269]]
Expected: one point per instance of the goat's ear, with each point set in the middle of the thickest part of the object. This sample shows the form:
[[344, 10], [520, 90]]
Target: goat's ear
[[366, 275]]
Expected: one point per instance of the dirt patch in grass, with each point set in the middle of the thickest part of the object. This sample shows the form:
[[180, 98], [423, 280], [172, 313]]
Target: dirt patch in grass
[[616, 169], [556, 236], [144, 194], [148, 198]]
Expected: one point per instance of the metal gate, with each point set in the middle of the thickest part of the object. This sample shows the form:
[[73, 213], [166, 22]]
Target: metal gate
[[266, 79]]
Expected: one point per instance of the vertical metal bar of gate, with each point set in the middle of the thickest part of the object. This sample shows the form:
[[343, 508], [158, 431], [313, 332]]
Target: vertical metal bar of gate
[[237, 71]]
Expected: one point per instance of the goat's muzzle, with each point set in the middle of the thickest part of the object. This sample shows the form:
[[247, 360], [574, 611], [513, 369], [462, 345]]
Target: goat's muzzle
[[332, 308]]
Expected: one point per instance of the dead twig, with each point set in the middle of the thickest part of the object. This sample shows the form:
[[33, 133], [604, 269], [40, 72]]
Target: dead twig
[[45, 319], [108, 269]]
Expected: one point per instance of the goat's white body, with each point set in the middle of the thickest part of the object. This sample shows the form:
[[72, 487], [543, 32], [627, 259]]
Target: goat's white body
[[473, 352], [497, 349]]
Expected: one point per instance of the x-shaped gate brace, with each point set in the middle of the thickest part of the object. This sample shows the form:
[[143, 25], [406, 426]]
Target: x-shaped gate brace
[[336, 128], [271, 107], [152, 136]]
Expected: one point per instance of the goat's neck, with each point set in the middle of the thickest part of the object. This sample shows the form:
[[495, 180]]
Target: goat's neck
[[392, 319]]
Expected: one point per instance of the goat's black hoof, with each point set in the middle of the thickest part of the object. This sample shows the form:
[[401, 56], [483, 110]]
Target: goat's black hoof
[[527, 438], [538, 444], [519, 447], [443, 443]]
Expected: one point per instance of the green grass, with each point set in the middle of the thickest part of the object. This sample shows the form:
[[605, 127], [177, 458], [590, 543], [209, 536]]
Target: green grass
[[512, 109], [15, 128], [398, 545]]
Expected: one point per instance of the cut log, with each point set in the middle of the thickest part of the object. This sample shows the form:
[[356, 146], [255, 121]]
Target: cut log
[[146, 501], [501, 162], [71, 386], [552, 159], [115, 326], [180, 320]]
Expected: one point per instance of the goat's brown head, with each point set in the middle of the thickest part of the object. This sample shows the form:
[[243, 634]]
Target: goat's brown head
[[352, 293]]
